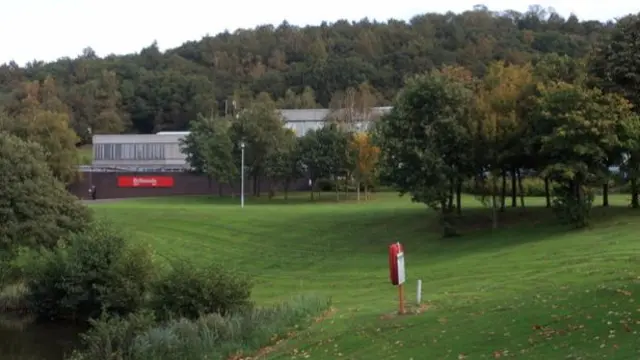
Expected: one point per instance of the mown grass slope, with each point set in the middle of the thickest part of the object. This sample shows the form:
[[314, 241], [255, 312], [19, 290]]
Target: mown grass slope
[[530, 290]]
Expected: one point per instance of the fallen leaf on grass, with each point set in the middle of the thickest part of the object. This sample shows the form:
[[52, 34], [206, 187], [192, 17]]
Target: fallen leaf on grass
[[624, 292]]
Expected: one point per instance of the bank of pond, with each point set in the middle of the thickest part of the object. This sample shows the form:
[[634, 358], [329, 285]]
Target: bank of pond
[[96, 295]]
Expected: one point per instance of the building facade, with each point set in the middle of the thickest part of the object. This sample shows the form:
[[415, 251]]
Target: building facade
[[161, 151], [139, 151]]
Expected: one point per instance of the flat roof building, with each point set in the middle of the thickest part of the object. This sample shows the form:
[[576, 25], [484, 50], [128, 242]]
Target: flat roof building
[[162, 150]]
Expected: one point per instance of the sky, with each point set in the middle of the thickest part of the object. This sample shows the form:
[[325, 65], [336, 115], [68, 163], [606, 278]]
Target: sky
[[50, 29]]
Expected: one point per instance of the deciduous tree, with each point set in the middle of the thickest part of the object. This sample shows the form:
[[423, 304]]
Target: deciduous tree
[[284, 164], [578, 130], [210, 150], [366, 156], [424, 142], [616, 67]]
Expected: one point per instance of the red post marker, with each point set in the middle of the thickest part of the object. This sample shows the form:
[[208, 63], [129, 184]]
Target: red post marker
[[397, 271]]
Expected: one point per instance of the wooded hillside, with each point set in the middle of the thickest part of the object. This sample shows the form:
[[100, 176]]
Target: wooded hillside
[[300, 66]]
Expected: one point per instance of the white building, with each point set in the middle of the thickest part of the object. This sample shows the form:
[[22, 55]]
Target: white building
[[162, 150], [139, 151]]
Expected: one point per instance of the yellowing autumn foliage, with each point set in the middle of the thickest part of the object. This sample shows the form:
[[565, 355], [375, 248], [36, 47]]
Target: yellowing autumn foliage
[[365, 158]]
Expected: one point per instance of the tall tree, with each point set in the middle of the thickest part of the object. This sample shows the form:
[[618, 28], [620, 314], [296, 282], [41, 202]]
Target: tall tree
[[261, 127], [577, 130], [425, 143], [284, 164], [210, 150], [366, 156], [616, 68]]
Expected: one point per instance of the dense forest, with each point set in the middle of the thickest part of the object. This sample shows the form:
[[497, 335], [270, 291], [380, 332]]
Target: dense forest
[[298, 66]]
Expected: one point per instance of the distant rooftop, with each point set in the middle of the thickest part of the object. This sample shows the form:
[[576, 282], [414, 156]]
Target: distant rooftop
[[295, 115]]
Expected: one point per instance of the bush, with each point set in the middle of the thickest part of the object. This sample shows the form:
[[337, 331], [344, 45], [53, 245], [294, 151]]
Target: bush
[[35, 208], [12, 298], [325, 185], [92, 271], [188, 291], [212, 336]]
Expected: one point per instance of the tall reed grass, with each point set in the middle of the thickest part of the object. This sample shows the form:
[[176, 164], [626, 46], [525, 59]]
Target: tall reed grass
[[211, 336]]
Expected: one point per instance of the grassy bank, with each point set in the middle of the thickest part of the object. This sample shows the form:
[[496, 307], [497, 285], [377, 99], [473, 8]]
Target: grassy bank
[[530, 289]]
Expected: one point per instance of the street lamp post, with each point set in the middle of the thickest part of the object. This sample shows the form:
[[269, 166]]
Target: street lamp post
[[91, 163], [242, 175]]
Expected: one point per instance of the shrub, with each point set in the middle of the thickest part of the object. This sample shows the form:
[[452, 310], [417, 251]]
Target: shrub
[[188, 291], [12, 298], [325, 185], [569, 208], [35, 208], [212, 336], [92, 271]]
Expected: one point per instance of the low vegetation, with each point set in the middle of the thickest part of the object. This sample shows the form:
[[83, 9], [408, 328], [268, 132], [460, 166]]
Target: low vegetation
[[532, 289], [213, 336]]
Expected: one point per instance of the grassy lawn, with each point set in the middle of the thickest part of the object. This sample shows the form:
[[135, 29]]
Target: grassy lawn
[[529, 290]]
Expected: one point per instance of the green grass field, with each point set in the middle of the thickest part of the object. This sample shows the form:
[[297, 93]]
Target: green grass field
[[529, 290]]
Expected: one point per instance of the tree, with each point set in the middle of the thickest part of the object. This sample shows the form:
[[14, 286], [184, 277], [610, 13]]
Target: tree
[[500, 127], [576, 131], [210, 150], [261, 127], [51, 130], [324, 153], [35, 208], [614, 65], [284, 164], [365, 159], [425, 143]]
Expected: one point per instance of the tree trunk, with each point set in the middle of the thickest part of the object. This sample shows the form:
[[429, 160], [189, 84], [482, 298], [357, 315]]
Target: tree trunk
[[459, 196], [272, 192], [520, 187], [450, 198], [258, 184], [547, 192], [358, 191], [346, 186], [233, 189], [335, 183], [634, 194], [494, 202], [286, 189], [605, 194], [313, 185], [503, 192], [254, 181], [514, 192], [220, 189]]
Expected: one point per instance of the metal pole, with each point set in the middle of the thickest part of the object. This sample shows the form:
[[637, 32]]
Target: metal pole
[[242, 179]]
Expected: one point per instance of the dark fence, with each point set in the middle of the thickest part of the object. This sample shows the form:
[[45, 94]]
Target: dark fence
[[116, 185]]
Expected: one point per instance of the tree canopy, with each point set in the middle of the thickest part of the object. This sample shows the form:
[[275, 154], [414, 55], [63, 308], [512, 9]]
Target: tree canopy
[[299, 67]]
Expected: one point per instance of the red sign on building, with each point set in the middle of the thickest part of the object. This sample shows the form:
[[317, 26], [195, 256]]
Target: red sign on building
[[145, 181]]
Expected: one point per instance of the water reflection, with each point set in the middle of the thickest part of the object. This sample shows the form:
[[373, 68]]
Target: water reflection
[[20, 340]]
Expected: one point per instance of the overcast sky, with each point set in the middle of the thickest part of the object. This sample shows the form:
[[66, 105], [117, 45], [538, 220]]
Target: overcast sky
[[50, 29]]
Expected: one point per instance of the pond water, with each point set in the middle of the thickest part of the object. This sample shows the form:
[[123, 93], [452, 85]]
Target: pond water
[[28, 341]]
